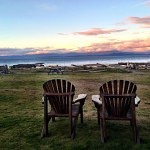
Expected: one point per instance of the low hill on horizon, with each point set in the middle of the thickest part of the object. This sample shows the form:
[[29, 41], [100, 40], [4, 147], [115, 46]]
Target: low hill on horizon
[[111, 53]]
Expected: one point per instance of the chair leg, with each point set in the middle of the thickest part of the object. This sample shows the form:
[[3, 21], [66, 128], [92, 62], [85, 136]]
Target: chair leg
[[70, 126], [81, 114], [46, 118], [135, 132], [103, 132], [98, 116], [73, 133], [44, 132]]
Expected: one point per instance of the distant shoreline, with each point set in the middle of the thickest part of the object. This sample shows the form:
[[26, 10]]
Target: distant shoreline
[[68, 60]]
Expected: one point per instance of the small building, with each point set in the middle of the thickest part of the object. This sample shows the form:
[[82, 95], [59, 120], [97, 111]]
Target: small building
[[39, 65], [23, 66]]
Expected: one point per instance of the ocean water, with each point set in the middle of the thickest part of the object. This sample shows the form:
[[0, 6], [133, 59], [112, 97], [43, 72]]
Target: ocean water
[[68, 60]]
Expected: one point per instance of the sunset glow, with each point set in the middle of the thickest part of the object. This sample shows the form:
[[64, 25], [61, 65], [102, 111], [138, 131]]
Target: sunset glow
[[45, 26]]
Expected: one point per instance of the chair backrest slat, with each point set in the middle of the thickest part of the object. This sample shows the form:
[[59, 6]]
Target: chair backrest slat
[[121, 83], [126, 86], [110, 87], [60, 102], [115, 86]]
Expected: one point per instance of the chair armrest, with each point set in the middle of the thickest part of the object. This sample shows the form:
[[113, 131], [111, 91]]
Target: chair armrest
[[137, 100], [97, 102], [96, 99], [81, 98]]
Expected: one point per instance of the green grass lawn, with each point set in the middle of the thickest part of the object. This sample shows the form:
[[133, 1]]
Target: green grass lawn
[[21, 113]]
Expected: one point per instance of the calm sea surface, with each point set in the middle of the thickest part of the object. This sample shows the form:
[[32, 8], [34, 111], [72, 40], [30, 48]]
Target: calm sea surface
[[76, 60]]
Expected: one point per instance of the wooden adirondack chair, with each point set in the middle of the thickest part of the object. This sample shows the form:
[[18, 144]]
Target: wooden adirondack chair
[[118, 103], [60, 95]]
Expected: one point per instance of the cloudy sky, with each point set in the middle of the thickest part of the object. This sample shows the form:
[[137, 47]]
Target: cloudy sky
[[44, 26]]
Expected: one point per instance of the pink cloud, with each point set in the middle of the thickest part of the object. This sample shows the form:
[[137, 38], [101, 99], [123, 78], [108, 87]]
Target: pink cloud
[[97, 31], [38, 52], [140, 20], [46, 50], [134, 45]]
